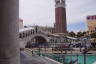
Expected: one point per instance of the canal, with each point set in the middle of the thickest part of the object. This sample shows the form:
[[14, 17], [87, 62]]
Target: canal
[[67, 58]]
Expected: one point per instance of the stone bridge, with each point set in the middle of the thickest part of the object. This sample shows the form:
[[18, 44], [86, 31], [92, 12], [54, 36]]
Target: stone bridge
[[29, 35]]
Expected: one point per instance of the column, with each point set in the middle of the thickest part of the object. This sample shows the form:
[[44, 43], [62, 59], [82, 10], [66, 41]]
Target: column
[[9, 32]]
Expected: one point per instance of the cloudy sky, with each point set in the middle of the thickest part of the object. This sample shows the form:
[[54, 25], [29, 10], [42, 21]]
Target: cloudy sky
[[42, 12]]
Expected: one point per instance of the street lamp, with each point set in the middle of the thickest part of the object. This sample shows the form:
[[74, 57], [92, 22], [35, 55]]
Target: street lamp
[[85, 50], [39, 49], [71, 49], [77, 58]]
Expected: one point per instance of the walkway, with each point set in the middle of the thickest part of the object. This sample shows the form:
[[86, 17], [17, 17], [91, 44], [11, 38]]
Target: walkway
[[25, 59]]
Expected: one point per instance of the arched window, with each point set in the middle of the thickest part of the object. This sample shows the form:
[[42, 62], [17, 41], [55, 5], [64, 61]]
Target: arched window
[[23, 35], [20, 35]]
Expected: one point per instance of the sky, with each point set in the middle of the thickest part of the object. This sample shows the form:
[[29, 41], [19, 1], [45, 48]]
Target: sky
[[42, 12]]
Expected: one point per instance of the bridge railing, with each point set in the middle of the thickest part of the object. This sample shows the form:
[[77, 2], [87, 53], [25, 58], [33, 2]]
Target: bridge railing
[[30, 52]]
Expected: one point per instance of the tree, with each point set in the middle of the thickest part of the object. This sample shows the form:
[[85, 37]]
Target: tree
[[93, 35], [72, 34], [80, 34], [84, 33]]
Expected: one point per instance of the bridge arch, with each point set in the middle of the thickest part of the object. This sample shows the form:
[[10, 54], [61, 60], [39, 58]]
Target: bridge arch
[[42, 36], [38, 39]]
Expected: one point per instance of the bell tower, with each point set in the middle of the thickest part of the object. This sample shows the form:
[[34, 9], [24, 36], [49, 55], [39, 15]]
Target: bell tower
[[60, 17]]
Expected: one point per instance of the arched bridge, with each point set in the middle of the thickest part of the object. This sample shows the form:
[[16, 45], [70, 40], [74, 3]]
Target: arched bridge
[[31, 36]]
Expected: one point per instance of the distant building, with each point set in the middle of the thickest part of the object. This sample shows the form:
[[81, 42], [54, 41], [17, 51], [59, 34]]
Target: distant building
[[60, 17], [20, 24], [91, 22], [44, 28]]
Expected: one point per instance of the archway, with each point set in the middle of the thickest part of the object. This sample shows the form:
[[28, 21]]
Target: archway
[[40, 40], [37, 41]]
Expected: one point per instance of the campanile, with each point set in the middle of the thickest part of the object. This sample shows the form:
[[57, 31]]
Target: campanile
[[60, 17]]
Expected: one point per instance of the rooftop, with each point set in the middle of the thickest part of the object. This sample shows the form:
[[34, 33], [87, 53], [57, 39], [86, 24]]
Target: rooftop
[[93, 17]]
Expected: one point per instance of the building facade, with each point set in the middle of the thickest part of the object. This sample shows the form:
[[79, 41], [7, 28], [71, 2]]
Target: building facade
[[91, 22], [60, 17]]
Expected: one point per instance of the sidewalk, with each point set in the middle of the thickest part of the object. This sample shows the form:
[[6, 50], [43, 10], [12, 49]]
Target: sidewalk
[[25, 59]]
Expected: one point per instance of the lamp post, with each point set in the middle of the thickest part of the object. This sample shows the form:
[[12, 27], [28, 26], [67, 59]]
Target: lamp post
[[80, 45], [39, 50], [86, 42], [71, 48], [85, 51], [77, 58]]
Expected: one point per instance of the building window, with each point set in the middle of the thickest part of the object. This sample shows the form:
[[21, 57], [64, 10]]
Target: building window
[[95, 17], [95, 28], [88, 17], [92, 17]]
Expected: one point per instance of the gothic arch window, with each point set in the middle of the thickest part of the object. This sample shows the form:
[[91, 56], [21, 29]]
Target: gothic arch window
[[20, 35]]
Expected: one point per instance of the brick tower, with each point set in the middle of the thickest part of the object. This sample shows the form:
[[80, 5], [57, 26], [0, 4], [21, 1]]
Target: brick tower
[[60, 16]]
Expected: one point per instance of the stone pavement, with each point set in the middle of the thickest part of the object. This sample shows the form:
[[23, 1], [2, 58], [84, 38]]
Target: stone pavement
[[25, 59]]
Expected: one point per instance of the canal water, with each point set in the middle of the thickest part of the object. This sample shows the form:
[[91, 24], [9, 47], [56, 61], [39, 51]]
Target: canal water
[[90, 59]]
